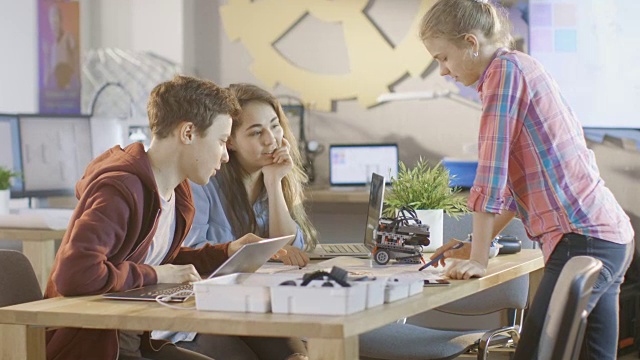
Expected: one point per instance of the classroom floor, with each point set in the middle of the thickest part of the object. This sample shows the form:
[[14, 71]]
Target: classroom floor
[[495, 356], [630, 356]]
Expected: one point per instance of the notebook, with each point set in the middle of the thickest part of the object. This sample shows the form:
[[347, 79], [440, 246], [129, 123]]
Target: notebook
[[376, 196], [351, 165], [248, 259]]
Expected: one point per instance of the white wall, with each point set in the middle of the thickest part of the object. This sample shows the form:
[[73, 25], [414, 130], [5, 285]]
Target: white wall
[[143, 25], [19, 69]]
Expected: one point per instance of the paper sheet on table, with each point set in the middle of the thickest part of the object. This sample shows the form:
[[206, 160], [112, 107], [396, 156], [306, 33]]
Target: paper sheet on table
[[358, 267], [55, 219]]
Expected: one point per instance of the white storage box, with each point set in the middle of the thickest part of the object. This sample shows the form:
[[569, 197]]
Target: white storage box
[[319, 300], [375, 290], [238, 292], [415, 286], [399, 288]]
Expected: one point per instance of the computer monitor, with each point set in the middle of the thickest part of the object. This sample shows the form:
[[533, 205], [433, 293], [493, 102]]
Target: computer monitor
[[352, 165], [55, 152], [10, 149]]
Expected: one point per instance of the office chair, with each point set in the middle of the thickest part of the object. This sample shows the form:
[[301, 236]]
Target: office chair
[[18, 282], [408, 341], [566, 320]]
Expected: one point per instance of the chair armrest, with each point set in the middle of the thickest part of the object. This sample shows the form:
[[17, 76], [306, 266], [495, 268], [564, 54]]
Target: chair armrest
[[512, 332]]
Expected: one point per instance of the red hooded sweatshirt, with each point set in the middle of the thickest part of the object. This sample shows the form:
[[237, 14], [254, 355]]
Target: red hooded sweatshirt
[[107, 241]]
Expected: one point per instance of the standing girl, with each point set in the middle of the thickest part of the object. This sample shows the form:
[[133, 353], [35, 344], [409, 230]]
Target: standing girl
[[532, 162]]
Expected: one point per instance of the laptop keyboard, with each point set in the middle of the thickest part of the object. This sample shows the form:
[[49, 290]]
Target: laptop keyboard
[[345, 248], [169, 291]]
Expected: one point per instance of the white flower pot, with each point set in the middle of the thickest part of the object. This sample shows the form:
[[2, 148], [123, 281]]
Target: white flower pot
[[435, 219], [5, 195]]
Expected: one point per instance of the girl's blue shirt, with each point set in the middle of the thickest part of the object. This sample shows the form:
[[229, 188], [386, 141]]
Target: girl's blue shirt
[[211, 225]]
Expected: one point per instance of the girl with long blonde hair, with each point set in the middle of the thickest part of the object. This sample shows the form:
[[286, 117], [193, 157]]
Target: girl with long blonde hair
[[533, 163]]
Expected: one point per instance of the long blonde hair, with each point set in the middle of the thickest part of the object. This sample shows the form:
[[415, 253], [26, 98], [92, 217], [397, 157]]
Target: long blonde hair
[[452, 19], [239, 211]]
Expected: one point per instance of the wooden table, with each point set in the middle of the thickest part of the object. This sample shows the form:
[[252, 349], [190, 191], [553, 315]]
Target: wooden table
[[330, 337], [38, 245]]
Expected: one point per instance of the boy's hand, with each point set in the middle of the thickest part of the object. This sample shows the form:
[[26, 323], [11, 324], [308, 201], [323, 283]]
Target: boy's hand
[[282, 163], [461, 253], [248, 239], [176, 274], [294, 256]]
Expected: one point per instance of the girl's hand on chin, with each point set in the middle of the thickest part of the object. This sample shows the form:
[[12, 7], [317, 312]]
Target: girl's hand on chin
[[282, 163]]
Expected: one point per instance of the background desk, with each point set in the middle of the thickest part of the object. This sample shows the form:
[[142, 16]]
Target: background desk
[[340, 216], [349, 196], [330, 337], [39, 247]]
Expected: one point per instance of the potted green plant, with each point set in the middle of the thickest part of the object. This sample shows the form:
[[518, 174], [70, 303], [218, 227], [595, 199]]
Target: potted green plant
[[426, 189], [5, 183]]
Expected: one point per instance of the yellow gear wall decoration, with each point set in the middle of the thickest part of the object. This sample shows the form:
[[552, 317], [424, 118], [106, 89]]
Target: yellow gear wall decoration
[[374, 64]]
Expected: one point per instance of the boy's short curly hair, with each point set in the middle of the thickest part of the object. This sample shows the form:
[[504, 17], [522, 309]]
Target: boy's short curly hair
[[186, 98]]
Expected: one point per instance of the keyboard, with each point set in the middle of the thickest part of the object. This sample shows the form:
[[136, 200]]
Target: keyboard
[[345, 248]]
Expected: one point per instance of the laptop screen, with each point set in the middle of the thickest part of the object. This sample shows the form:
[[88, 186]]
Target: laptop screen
[[374, 210], [351, 165]]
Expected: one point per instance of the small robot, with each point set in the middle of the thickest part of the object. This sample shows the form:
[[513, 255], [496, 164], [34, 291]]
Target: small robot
[[401, 238]]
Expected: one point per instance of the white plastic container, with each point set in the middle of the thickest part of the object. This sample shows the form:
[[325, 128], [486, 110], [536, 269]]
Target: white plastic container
[[238, 292], [415, 286], [375, 291], [399, 288], [317, 300]]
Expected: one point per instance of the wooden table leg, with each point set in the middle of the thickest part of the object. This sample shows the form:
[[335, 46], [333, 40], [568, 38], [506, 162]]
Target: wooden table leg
[[333, 349], [41, 253], [22, 342]]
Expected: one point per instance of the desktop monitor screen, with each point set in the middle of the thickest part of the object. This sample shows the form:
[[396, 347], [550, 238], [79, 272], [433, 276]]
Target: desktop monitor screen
[[10, 149], [352, 165], [55, 152]]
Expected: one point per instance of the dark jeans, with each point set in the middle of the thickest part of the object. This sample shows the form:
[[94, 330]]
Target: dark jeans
[[167, 352], [245, 347], [601, 337]]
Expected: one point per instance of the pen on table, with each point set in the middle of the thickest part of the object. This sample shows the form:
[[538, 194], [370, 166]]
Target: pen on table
[[439, 257]]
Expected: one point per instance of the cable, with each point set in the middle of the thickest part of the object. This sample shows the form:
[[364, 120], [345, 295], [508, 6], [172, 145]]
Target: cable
[[165, 300]]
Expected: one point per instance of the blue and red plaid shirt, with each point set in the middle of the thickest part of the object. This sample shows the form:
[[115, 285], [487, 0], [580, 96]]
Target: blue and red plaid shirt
[[533, 159]]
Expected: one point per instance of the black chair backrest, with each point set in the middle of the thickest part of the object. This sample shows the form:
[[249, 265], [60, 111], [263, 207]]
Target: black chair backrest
[[18, 282], [565, 323]]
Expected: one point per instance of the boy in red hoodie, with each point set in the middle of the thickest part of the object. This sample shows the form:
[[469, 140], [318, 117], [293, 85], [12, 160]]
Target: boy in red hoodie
[[134, 211]]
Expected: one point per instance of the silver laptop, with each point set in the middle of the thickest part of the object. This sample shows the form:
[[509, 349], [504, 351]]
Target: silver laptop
[[376, 196], [248, 259]]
